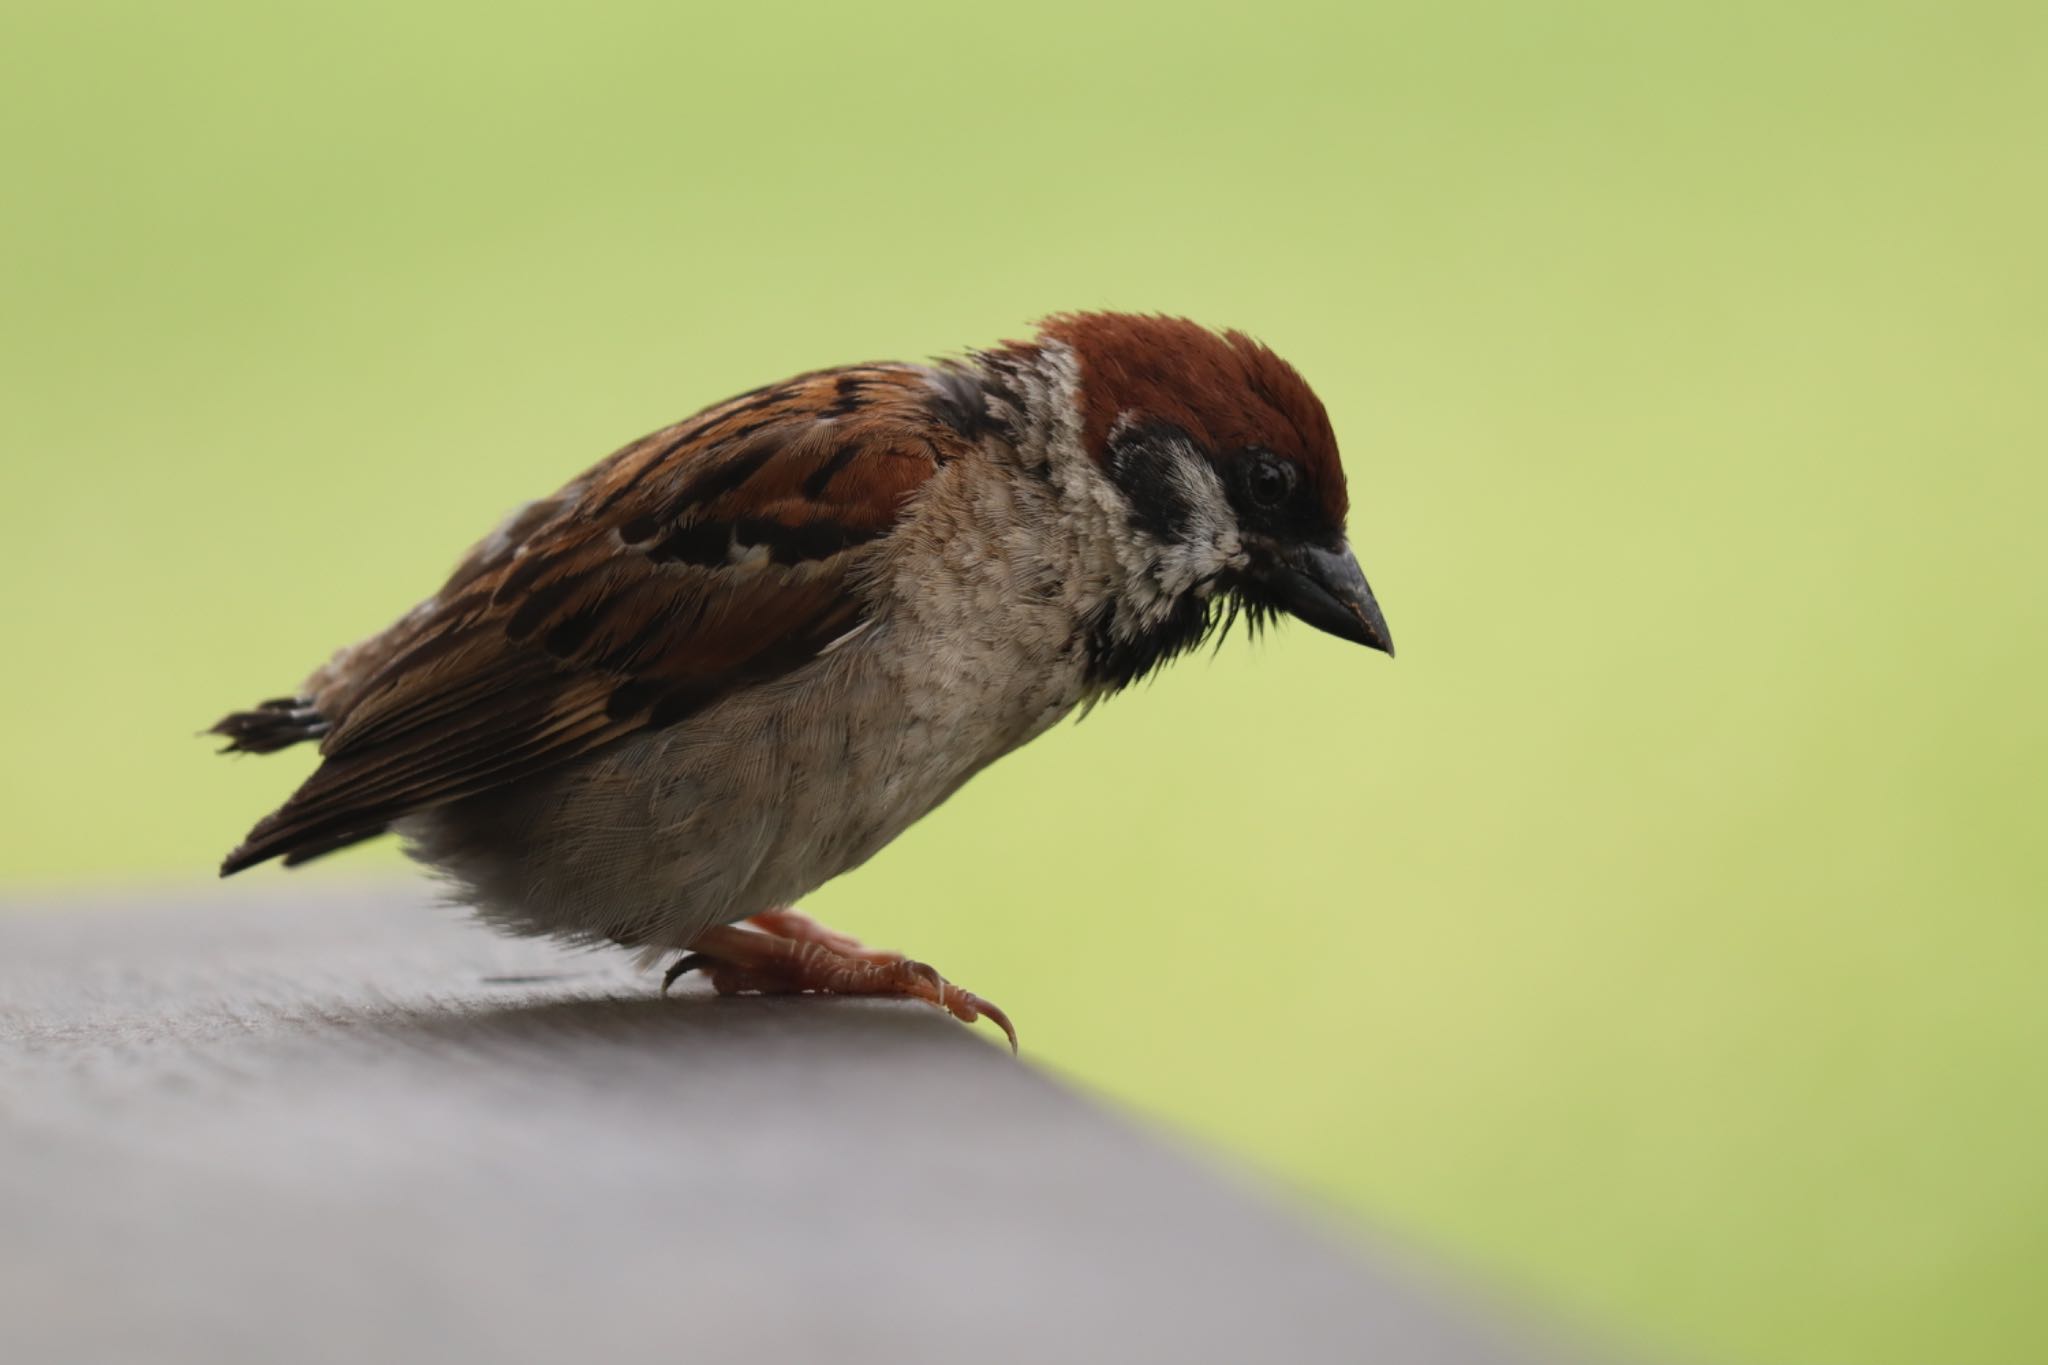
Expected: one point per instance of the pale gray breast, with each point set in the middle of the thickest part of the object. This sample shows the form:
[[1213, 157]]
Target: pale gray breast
[[974, 646]]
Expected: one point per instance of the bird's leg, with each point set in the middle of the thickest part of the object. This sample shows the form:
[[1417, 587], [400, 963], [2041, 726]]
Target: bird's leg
[[746, 960], [795, 924]]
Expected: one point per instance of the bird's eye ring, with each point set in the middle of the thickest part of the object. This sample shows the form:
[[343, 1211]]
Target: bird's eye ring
[[1269, 481]]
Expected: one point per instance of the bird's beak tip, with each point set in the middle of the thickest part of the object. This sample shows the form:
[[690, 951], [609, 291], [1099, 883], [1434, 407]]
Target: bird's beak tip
[[1324, 587]]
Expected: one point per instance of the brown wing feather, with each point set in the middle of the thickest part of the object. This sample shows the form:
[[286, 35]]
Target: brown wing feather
[[715, 554]]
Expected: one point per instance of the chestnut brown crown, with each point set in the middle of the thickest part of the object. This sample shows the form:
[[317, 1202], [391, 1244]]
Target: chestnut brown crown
[[1154, 387], [1228, 393]]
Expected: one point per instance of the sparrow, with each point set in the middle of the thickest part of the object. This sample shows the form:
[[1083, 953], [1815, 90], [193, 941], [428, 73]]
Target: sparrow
[[737, 657]]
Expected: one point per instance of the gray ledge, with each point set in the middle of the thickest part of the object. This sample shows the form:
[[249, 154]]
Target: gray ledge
[[268, 1124]]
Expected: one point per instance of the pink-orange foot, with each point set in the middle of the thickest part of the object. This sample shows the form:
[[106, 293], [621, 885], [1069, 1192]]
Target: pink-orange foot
[[741, 960], [787, 923]]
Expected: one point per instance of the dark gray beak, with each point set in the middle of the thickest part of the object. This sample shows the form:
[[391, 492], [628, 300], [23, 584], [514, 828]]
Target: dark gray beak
[[1327, 589]]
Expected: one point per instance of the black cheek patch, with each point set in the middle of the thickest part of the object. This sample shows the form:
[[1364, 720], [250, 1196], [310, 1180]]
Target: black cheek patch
[[1142, 464]]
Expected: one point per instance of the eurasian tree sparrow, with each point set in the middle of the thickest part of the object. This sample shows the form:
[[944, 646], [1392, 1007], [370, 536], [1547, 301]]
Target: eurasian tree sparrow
[[739, 656]]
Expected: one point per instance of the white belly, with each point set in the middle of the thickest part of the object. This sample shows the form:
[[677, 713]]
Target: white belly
[[763, 797]]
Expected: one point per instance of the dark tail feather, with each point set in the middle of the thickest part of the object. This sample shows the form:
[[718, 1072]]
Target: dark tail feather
[[333, 843], [275, 724], [278, 724], [262, 845]]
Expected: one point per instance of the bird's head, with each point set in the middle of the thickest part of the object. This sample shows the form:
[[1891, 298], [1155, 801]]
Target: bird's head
[[1205, 431]]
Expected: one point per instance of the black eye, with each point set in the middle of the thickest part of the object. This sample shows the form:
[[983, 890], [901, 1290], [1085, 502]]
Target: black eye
[[1269, 481]]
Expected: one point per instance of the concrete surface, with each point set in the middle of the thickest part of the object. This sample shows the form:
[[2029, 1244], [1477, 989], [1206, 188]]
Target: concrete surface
[[279, 1124]]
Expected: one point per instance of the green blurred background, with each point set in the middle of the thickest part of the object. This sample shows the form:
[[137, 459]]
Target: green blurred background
[[1660, 940]]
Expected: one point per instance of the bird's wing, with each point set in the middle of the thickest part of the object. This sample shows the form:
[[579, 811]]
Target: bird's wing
[[718, 553]]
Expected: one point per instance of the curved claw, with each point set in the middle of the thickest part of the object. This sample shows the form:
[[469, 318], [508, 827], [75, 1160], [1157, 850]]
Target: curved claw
[[963, 1005], [688, 962], [998, 1018]]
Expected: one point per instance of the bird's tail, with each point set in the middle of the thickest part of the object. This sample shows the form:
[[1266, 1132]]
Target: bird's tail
[[275, 724]]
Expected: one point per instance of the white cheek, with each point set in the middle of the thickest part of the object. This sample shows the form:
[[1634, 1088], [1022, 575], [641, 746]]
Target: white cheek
[[1212, 543]]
